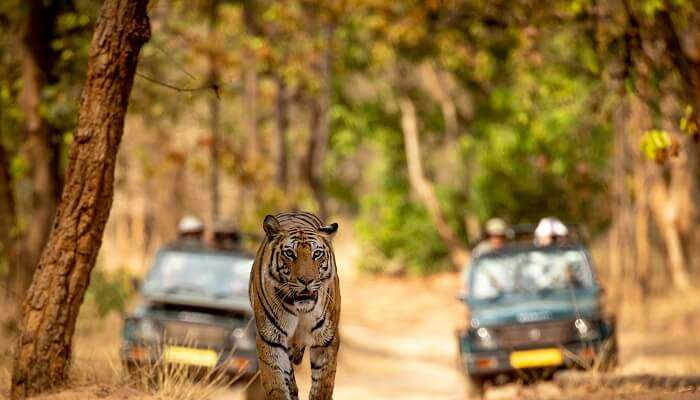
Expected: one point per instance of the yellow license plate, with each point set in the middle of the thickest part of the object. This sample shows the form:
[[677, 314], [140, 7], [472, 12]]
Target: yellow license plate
[[189, 356], [536, 358]]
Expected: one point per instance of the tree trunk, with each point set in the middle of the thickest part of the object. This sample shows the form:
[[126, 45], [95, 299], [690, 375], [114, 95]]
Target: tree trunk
[[41, 145], [665, 213], [250, 82], [618, 191], [7, 224], [314, 158], [51, 307], [641, 224], [282, 125], [459, 254], [433, 80], [682, 192], [214, 118], [320, 126], [688, 68]]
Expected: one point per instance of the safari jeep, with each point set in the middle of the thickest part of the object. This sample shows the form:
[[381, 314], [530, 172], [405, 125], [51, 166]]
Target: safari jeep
[[533, 310], [194, 312]]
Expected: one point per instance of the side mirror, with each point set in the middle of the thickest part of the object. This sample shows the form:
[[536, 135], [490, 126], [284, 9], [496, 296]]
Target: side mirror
[[135, 284]]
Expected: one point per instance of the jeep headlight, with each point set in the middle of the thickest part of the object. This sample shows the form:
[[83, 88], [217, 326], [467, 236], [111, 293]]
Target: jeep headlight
[[242, 340], [485, 339], [584, 329]]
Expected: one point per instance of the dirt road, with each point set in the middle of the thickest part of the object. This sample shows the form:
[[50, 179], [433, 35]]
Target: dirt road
[[398, 343], [389, 350]]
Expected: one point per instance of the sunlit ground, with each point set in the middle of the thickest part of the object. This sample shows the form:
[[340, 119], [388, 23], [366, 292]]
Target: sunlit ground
[[399, 343]]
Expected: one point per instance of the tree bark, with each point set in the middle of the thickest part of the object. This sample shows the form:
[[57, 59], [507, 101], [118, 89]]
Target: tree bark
[[7, 224], [214, 118], [459, 254], [320, 126], [250, 82], [641, 224], [282, 125], [629, 119], [665, 214], [51, 307], [42, 145], [433, 80], [687, 67], [682, 192]]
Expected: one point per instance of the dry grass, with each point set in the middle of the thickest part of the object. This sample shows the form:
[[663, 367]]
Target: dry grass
[[392, 348], [175, 381], [179, 381], [97, 372], [98, 361]]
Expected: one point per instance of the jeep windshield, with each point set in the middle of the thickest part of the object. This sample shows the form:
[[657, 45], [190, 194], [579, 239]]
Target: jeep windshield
[[203, 274], [531, 270]]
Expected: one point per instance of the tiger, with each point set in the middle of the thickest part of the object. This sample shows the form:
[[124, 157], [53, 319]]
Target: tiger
[[295, 295]]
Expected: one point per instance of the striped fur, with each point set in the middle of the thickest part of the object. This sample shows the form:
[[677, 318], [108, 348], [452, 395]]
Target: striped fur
[[296, 299]]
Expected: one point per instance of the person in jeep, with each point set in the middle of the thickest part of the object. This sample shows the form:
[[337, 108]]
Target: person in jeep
[[226, 236], [496, 237], [497, 232], [550, 230], [534, 308], [190, 231], [194, 310]]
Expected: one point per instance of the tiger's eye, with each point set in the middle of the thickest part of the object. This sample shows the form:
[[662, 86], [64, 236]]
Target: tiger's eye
[[318, 254], [289, 254]]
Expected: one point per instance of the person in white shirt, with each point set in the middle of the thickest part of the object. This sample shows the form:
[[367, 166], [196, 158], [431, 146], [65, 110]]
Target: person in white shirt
[[549, 231]]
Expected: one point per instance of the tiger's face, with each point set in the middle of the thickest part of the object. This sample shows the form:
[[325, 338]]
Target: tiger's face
[[302, 264]]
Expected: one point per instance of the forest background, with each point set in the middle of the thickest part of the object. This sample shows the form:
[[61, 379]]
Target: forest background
[[412, 122]]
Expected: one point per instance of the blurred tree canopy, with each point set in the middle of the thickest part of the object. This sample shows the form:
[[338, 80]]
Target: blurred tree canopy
[[523, 109]]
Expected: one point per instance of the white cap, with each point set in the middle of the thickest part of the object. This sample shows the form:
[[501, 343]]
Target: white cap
[[550, 226], [496, 227], [190, 224]]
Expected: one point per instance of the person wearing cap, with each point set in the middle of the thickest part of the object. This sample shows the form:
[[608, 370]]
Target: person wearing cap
[[226, 236], [549, 231], [190, 231], [497, 233], [496, 236]]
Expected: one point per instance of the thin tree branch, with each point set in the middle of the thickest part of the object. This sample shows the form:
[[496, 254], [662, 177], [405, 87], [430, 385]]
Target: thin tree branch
[[213, 86], [169, 57]]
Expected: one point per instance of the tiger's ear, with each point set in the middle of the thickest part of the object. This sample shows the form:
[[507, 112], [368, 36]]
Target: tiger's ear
[[272, 226], [329, 230]]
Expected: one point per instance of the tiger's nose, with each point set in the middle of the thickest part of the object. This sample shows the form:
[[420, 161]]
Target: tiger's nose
[[305, 281]]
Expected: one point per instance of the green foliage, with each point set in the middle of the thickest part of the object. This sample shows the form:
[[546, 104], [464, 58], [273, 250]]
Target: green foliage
[[531, 147], [531, 85], [538, 148], [658, 145], [397, 231], [108, 291], [389, 220], [402, 232], [690, 124]]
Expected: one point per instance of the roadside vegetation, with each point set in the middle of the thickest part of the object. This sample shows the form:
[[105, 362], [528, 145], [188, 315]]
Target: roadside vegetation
[[412, 122]]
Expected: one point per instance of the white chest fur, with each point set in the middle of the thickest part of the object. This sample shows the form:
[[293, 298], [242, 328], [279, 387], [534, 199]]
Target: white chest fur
[[303, 335]]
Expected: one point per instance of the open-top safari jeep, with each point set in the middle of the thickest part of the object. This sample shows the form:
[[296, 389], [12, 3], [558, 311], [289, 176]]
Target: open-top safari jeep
[[531, 311], [195, 313]]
